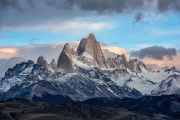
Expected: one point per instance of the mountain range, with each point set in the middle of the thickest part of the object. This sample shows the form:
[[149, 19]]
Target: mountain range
[[5, 64], [84, 74]]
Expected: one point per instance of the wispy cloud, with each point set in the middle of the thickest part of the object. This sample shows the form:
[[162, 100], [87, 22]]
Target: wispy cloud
[[31, 41], [164, 63], [60, 26], [138, 17], [53, 50]]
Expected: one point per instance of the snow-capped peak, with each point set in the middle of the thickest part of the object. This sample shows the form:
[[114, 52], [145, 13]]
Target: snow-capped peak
[[172, 70]]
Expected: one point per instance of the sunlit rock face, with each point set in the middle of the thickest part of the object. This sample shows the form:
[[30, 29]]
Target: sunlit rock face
[[92, 47], [65, 59], [89, 55], [42, 61], [53, 64]]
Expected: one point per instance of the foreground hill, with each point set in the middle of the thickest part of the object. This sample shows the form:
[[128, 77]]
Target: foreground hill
[[145, 108]]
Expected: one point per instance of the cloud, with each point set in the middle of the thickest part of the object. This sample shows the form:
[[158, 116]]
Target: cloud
[[164, 64], [106, 6], [52, 50], [114, 49], [156, 67], [60, 26], [8, 50], [44, 15], [152, 67], [155, 52], [138, 17], [100, 6], [9, 3], [166, 5], [34, 14], [5, 64], [108, 54], [31, 41]]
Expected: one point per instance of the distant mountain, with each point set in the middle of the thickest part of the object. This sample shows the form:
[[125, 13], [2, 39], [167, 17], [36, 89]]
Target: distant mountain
[[5, 64], [170, 85], [172, 70], [82, 74], [27, 80]]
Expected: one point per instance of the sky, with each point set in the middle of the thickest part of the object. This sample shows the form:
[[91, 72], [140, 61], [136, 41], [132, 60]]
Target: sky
[[145, 29]]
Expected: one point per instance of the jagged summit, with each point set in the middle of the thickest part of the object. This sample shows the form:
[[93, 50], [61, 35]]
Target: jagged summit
[[92, 47], [65, 59], [121, 62], [67, 48], [173, 70], [89, 54], [42, 61], [53, 64], [49, 67], [88, 44]]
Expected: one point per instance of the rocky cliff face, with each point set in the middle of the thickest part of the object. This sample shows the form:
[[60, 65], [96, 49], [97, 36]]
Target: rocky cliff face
[[53, 64], [42, 61], [121, 62], [118, 62], [90, 46], [48, 67], [89, 54], [136, 65], [65, 59]]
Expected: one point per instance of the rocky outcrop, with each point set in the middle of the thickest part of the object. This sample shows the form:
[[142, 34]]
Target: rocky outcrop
[[90, 46], [118, 62], [42, 61], [53, 64], [136, 65], [121, 62], [65, 59], [89, 54], [18, 68], [110, 63]]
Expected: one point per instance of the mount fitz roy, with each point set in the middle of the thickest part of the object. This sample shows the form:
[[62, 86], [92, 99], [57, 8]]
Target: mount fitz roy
[[85, 73]]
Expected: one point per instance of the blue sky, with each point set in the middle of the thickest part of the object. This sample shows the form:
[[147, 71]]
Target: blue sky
[[161, 30], [140, 26]]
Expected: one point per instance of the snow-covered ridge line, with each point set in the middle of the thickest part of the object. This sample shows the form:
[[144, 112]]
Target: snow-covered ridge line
[[84, 74]]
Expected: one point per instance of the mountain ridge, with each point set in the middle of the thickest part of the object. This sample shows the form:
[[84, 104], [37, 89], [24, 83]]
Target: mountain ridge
[[89, 53], [81, 75]]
